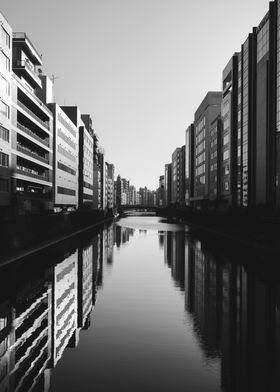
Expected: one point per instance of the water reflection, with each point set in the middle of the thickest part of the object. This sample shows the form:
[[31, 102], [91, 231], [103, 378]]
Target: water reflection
[[232, 312]]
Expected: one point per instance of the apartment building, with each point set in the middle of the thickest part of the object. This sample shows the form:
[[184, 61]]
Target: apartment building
[[178, 176], [5, 111], [31, 131]]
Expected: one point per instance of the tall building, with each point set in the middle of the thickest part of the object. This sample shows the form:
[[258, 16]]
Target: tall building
[[167, 184], [32, 130], [101, 165], [229, 169], [132, 195], [189, 160], [109, 174], [178, 176], [215, 161], [5, 111], [84, 156], [207, 111], [160, 192]]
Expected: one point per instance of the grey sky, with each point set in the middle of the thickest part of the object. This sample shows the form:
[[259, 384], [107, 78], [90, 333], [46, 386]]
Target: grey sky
[[139, 67]]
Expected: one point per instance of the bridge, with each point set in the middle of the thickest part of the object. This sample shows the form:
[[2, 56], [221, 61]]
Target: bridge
[[138, 209]]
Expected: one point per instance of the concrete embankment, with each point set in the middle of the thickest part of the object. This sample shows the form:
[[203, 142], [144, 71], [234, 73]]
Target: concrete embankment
[[22, 236]]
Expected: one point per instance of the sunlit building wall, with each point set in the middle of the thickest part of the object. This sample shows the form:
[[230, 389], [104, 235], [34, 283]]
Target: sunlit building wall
[[5, 110]]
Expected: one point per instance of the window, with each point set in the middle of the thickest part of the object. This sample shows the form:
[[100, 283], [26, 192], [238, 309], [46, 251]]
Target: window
[[226, 139], [5, 61], [6, 37], [4, 109], [4, 159], [4, 133], [4, 85], [226, 155]]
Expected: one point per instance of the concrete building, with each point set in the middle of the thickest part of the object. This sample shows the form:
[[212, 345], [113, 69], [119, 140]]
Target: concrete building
[[160, 192], [229, 170], [167, 184], [32, 131], [215, 161], [189, 160], [132, 195], [178, 176], [102, 168], [85, 167], [109, 184], [206, 113], [5, 111], [84, 156]]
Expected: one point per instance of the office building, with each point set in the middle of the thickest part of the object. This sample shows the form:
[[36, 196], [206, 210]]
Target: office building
[[215, 162], [206, 113], [189, 160], [178, 176], [229, 170]]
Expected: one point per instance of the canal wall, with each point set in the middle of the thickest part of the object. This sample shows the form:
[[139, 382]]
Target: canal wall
[[22, 235], [247, 228]]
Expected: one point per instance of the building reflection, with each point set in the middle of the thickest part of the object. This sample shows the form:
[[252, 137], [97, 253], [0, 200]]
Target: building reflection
[[235, 313], [42, 316], [122, 235]]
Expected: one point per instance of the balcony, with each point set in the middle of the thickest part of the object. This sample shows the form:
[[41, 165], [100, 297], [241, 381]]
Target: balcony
[[32, 134], [25, 171], [32, 92], [31, 153], [25, 68], [22, 40], [45, 124]]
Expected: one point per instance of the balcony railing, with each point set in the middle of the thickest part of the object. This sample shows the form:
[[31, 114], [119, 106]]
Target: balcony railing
[[32, 154], [26, 64], [44, 123], [32, 134], [33, 95], [26, 172]]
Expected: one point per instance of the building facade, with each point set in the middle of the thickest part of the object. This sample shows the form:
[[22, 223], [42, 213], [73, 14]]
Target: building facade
[[178, 176], [32, 131], [208, 110], [5, 111]]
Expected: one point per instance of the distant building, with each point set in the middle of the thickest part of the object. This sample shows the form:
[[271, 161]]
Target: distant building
[[178, 176], [167, 184], [215, 161], [189, 161], [132, 195], [109, 175]]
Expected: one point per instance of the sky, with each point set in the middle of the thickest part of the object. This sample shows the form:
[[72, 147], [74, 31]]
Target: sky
[[139, 67]]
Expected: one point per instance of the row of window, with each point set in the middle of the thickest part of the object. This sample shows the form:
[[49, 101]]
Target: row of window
[[66, 191], [66, 125], [66, 153], [66, 168], [66, 139], [200, 125]]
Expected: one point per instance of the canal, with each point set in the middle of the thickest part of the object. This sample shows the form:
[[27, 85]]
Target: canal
[[139, 305]]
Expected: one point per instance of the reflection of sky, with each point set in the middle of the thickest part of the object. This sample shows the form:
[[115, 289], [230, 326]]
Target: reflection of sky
[[150, 223], [139, 340]]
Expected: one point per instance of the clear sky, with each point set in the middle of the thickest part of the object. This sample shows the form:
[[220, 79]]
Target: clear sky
[[139, 67]]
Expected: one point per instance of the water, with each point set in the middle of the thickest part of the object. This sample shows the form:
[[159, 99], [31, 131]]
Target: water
[[139, 306]]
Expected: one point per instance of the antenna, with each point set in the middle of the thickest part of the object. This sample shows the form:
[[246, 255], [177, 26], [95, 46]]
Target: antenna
[[54, 77]]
